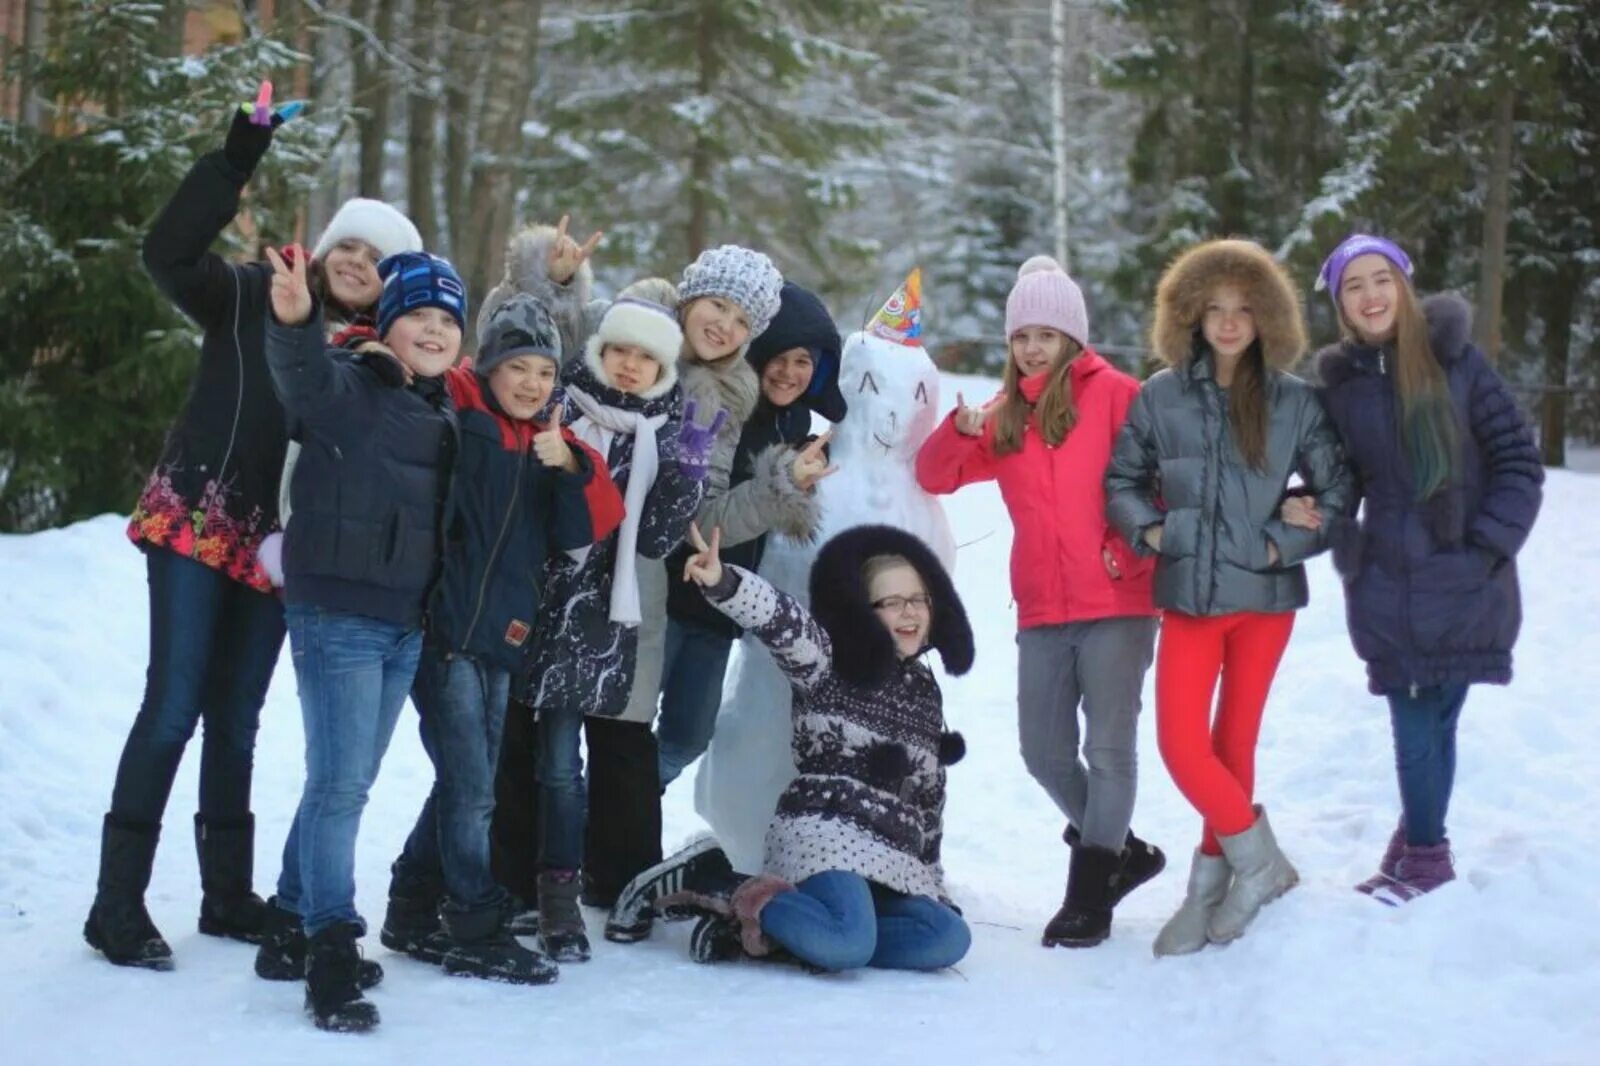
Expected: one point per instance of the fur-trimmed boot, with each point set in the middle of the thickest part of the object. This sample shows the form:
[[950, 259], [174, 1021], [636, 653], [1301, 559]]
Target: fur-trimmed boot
[[715, 938], [282, 954], [229, 906], [680, 886], [411, 922], [1419, 870], [118, 925], [481, 945], [1084, 919], [748, 901], [333, 989], [1261, 873], [1185, 932], [562, 934], [1391, 855]]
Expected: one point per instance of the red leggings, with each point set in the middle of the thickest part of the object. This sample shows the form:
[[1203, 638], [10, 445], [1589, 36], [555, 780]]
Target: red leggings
[[1214, 763]]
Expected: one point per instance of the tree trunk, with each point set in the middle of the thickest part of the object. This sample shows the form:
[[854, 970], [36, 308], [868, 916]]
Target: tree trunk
[[1559, 306], [490, 201], [1059, 34], [174, 20], [1496, 216], [422, 124], [373, 84], [461, 75], [35, 33], [701, 164]]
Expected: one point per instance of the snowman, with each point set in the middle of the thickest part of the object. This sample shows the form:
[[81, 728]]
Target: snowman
[[892, 389]]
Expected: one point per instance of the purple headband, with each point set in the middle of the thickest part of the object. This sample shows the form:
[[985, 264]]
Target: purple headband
[[1358, 244]]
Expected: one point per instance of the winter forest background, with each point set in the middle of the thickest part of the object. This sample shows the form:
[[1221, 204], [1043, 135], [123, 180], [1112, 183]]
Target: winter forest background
[[851, 139]]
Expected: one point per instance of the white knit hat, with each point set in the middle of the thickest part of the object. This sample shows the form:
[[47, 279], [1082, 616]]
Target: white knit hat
[[380, 225], [649, 326], [747, 278]]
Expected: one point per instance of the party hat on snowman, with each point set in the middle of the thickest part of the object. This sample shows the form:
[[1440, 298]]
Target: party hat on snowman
[[900, 318]]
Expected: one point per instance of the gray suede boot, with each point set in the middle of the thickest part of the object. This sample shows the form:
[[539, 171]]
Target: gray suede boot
[[1185, 932], [1261, 874]]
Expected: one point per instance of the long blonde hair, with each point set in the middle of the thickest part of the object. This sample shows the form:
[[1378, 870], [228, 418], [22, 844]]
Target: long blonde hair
[[1055, 412]]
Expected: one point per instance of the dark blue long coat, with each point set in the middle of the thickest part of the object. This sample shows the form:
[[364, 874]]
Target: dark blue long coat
[[1431, 586]]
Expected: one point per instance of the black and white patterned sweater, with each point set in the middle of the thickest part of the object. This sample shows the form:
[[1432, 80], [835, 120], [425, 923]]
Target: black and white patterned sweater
[[869, 796]]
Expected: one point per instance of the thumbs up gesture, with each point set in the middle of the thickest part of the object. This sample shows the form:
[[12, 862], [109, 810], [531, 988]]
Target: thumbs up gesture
[[551, 447], [291, 295], [969, 420]]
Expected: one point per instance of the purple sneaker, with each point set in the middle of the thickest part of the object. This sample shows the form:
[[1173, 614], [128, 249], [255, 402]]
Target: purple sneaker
[[1391, 855], [1419, 871]]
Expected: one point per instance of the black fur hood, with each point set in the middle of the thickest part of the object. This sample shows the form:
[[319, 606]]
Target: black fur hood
[[1449, 320], [863, 651]]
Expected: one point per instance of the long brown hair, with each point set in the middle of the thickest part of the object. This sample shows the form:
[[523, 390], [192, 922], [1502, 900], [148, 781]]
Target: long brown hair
[[1055, 412], [335, 315], [1247, 405], [1427, 426]]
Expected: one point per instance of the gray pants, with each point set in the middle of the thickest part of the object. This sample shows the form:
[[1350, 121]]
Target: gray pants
[[1102, 665]]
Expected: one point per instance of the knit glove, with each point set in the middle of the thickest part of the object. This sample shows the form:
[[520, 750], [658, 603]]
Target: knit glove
[[247, 141], [696, 442]]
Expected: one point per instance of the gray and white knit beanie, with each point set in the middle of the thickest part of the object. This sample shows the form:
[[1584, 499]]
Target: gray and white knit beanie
[[747, 278]]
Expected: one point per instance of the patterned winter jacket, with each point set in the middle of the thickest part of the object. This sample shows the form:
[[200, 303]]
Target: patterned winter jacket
[[582, 660], [213, 494], [869, 795]]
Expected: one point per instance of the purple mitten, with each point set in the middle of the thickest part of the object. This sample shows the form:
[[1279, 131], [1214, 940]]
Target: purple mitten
[[696, 442]]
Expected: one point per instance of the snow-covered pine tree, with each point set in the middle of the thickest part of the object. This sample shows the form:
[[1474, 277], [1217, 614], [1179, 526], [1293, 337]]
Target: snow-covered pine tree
[[93, 362]]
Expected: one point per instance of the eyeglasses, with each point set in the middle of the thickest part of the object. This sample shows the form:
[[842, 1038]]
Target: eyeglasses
[[898, 604]]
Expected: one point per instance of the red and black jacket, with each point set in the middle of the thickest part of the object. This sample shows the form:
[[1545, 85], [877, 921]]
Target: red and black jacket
[[506, 512]]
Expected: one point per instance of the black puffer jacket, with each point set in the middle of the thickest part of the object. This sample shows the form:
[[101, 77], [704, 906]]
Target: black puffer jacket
[[369, 487]]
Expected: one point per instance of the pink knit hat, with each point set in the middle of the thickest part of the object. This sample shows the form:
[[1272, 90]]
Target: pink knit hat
[[1045, 296]]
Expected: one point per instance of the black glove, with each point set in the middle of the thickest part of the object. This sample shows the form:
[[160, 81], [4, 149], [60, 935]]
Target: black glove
[[248, 142]]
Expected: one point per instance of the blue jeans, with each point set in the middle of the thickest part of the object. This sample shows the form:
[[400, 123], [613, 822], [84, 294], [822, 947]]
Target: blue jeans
[[214, 643], [461, 702], [563, 797], [354, 673], [840, 921], [1425, 757], [691, 694]]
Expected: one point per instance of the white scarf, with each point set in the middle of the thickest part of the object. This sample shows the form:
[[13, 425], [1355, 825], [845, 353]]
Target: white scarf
[[597, 428]]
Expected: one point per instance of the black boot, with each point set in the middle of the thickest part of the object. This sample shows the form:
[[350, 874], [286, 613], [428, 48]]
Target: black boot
[[1084, 919], [229, 906], [411, 922], [118, 925], [524, 920], [562, 933], [282, 954], [333, 990], [715, 938], [697, 874], [1141, 862], [481, 945]]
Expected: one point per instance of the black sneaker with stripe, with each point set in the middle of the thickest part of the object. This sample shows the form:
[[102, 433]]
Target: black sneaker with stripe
[[700, 869]]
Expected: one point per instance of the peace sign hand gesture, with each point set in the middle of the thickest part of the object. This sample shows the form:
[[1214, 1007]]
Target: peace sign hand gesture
[[291, 295], [567, 255], [551, 447], [811, 465], [704, 567], [969, 420]]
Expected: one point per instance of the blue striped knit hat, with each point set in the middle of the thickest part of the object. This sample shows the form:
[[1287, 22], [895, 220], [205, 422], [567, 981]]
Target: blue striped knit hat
[[417, 279]]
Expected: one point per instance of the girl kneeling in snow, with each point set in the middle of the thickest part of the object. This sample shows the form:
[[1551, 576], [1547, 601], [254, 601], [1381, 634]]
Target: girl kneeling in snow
[[852, 874]]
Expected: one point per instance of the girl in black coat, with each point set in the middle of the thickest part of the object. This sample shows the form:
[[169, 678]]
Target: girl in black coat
[[215, 626]]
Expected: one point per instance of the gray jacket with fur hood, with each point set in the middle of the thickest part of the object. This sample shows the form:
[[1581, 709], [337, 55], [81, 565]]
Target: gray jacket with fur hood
[[1176, 463]]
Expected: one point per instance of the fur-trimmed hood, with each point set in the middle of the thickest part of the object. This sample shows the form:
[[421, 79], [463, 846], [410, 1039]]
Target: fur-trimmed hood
[[1449, 319], [527, 271], [1188, 283], [863, 651]]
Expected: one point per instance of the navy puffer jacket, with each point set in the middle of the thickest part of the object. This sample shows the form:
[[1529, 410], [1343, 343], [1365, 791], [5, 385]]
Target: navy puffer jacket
[[1431, 587]]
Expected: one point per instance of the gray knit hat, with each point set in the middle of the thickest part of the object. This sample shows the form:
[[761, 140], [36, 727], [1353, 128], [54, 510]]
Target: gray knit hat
[[519, 326], [745, 277]]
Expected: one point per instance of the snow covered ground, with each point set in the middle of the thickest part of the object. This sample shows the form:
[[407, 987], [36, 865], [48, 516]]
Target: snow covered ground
[[1503, 966]]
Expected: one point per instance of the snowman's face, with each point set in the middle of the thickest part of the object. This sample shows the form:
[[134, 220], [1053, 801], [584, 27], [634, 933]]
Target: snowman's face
[[893, 395]]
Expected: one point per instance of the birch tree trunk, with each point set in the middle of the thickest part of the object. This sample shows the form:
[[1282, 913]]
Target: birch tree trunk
[[1062, 28]]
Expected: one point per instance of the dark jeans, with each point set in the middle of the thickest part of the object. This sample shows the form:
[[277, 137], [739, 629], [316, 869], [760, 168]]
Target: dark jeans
[[840, 921], [461, 704], [213, 645], [1425, 756], [691, 694], [354, 673], [621, 834]]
